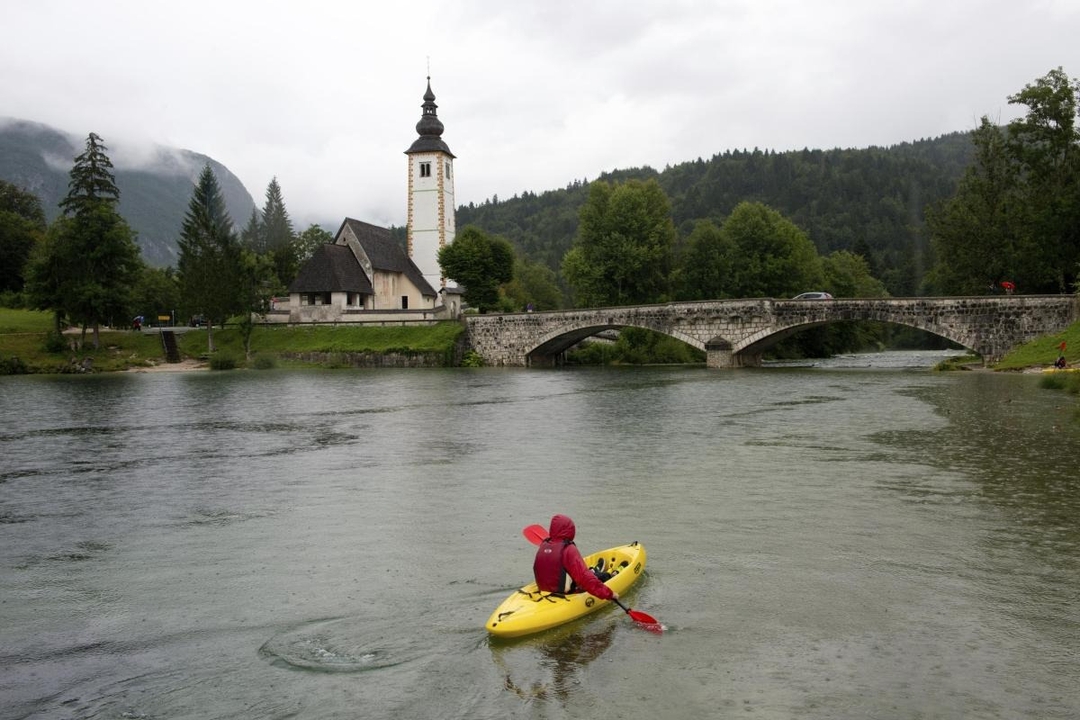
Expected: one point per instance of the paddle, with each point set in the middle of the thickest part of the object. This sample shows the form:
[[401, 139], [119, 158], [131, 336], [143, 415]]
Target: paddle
[[536, 534]]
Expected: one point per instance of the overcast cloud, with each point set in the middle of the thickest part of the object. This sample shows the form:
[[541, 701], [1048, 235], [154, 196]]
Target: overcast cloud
[[326, 95]]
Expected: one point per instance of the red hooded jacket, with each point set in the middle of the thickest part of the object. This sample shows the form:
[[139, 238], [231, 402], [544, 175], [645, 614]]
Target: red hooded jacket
[[559, 557]]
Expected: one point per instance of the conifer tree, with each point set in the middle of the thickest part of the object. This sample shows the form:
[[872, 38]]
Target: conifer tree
[[277, 236], [92, 182], [209, 265], [91, 262], [252, 236]]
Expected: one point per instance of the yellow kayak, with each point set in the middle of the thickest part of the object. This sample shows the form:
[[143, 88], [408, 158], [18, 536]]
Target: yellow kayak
[[529, 611]]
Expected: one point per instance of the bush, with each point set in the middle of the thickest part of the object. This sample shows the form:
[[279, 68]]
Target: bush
[[264, 362], [472, 359], [12, 366], [1069, 382], [222, 361], [592, 353], [12, 299], [55, 342]]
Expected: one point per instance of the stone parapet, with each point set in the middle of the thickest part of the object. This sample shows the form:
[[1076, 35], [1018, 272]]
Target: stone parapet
[[735, 333]]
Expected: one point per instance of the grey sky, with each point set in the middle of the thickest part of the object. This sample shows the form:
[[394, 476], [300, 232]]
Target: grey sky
[[325, 94]]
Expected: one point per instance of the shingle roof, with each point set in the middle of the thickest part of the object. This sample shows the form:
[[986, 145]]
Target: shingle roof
[[385, 254], [332, 268]]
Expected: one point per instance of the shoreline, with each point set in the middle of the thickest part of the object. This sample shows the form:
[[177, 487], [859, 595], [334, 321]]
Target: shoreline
[[187, 365]]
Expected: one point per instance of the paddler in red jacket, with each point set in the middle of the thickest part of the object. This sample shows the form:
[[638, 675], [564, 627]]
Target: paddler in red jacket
[[558, 562]]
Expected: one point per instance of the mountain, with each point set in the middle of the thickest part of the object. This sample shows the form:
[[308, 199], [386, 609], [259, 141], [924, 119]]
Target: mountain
[[155, 187], [871, 201]]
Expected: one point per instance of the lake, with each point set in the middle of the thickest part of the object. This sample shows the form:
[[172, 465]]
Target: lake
[[851, 538]]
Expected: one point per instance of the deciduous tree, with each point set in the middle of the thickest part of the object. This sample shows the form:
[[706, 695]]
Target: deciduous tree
[[773, 257], [22, 226], [1016, 212], [533, 285], [622, 254], [705, 269], [309, 241], [481, 263]]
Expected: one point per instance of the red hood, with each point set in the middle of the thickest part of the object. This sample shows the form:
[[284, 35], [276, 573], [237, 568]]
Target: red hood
[[562, 528]]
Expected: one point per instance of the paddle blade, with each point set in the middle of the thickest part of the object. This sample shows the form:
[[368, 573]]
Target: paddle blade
[[645, 620], [534, 534]]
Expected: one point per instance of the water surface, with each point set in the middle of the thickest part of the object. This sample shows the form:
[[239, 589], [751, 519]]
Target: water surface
[[862, 538]]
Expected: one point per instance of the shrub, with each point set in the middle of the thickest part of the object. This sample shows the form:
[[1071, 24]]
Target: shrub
[[472, 359], [222, 361], [55, 342], [264, 362], [12, 366]]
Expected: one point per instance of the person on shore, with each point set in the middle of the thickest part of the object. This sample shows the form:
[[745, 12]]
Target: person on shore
[[559, 567]]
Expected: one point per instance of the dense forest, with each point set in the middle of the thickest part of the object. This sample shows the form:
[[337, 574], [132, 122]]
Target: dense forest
[[868, 201]]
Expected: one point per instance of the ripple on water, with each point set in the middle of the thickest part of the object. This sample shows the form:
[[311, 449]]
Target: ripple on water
[[342, 645]]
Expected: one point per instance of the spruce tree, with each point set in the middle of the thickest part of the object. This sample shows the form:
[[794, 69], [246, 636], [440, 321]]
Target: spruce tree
[[278, 238], [89, 266], [209, 264], [91, 180]]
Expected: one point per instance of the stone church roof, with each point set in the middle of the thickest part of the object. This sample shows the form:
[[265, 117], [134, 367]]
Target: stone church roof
[[385, 253], [332, 268]]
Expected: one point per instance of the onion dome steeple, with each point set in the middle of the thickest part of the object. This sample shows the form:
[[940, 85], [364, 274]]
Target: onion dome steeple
[[429, 128]]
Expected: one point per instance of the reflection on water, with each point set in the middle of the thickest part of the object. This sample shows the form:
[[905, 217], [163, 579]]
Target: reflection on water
[[862, 538], [549, 666]]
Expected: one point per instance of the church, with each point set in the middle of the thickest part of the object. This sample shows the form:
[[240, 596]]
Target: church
[[365, 275]]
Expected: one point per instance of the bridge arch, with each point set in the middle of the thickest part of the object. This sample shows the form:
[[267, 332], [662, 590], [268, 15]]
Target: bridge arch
[[551, 346], [751, 348], [734, 333]]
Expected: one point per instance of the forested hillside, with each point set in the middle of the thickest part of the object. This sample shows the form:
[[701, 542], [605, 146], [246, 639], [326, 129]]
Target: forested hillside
[[153, 196], [870, 201]]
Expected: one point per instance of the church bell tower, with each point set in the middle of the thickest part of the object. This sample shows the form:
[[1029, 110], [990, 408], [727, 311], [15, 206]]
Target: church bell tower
[[431, 194]]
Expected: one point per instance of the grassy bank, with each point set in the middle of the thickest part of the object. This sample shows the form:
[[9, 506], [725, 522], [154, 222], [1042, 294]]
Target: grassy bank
[[28, 345], [1044, 351]]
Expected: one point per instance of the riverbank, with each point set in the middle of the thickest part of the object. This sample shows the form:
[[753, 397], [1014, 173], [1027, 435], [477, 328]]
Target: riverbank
[[29, 345], [187, 365]]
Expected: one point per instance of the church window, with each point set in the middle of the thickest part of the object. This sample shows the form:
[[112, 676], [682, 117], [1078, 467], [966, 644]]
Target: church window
[[425, 169], [448, 170]]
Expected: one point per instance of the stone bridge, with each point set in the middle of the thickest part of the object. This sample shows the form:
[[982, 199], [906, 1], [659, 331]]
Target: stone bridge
[[735, 333]]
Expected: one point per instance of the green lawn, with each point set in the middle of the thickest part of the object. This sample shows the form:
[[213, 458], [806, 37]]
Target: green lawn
[[25, 321], [24, 335], [1044, 351]]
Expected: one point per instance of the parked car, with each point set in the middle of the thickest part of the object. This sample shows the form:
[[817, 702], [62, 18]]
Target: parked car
[[198, 321], [813, 296]]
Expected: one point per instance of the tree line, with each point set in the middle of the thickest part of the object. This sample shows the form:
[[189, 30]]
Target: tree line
[[953, 216], [958, 215], [86, 267]]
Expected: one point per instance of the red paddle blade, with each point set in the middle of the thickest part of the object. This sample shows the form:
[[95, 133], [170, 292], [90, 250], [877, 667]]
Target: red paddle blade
[[638, 616], [648, 622], [534, 534]]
